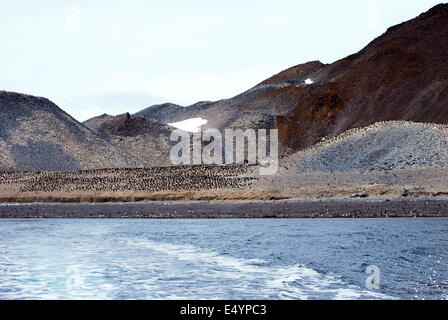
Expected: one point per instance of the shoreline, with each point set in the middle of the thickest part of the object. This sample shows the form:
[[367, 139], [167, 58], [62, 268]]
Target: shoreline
[[316, 208]]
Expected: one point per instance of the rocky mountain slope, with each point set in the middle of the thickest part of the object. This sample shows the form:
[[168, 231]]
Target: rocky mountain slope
[[35, 134], [145, 139], [383, 145], [401, 75]]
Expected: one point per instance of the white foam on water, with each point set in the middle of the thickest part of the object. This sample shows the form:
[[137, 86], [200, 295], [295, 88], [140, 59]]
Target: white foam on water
[[256, 276], [50, 283], [161, 270]]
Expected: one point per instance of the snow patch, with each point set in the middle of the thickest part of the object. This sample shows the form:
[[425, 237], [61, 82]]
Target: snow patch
[[190, 125], [309, 81]]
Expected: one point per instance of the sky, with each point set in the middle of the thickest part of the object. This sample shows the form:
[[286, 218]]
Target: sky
[[95, 57]]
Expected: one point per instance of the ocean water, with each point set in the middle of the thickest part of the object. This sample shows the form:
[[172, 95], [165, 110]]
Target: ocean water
[[223, 259]]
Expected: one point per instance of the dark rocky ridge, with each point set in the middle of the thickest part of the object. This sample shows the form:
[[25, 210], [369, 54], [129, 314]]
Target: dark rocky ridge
[[145, 139], [126, 125], [161, 112]]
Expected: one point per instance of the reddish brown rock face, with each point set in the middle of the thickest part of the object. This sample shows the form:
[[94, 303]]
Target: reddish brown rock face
[[401, 75], [398, 76]]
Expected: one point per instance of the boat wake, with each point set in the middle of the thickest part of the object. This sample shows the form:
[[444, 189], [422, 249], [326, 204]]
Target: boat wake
[[249, 278]]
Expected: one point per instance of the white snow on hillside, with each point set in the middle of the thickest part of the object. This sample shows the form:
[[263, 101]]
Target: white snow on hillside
[[190, 125], [309, 81]]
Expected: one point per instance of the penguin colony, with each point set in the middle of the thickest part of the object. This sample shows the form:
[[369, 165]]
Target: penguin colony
[[201, 177]]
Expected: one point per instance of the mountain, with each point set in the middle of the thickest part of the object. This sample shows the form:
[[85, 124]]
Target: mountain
[[35, 134], [145, 139], [401, 75]]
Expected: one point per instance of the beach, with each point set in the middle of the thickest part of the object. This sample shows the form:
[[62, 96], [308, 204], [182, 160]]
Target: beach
[[316, 208]]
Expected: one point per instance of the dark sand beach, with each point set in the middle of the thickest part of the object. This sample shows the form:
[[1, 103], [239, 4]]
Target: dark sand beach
[[343, 208]]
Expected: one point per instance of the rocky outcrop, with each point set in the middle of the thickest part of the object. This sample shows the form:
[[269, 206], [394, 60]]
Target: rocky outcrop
[[144, 138]]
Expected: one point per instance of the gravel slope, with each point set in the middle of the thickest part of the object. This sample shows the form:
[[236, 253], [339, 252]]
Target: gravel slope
[[384, 145]]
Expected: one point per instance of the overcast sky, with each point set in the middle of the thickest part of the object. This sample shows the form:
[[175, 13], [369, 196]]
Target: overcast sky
[[94, 57]]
